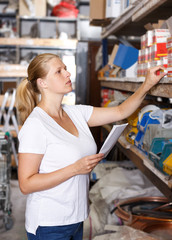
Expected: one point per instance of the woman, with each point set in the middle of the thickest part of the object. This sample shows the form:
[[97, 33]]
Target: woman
[[56, 149]]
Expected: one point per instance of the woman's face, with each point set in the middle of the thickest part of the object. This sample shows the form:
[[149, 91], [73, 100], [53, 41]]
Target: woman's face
[[58, 78]]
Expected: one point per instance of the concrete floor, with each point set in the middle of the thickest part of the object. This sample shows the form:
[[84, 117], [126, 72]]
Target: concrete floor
[[17, 232]]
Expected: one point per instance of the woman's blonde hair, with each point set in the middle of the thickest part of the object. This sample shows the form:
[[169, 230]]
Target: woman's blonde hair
[[27, 95]]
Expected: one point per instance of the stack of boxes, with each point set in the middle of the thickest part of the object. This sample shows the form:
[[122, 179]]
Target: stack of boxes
[[33, 8], [107, 96], [169, 58], [107, 9], [153, 50]]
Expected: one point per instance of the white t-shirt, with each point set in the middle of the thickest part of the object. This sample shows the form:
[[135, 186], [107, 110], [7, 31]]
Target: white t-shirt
[[67, 203]]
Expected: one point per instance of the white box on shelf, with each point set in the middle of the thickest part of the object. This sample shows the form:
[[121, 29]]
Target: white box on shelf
[[130, 72], [113, 8], [124, 5]]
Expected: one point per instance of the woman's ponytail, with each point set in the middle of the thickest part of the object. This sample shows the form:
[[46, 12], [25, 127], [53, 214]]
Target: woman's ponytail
[[26, 100]]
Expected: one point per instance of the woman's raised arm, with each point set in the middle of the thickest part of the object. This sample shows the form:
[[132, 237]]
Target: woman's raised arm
[[101, 115]]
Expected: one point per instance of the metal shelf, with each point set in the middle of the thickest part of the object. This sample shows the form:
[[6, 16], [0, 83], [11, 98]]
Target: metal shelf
[[12, 70], [160, 90], [39, 42], [161, 181], [133, 19], [49, 18], [8, 15]]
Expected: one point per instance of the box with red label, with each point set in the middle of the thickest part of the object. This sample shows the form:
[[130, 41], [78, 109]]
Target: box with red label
[[149, 38], [158, 50], [149, 53], [107, 96], [160, 35], [164, 61], [146, 58], [143, 41], [139, 57], [169, 42], [161, 62], [170, 60], [142, 51], [139, 70], [169, 72], [143, 55]]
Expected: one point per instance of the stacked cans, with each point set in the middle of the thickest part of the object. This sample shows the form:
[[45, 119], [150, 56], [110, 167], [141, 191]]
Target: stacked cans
[[169, 57], [153, 50]]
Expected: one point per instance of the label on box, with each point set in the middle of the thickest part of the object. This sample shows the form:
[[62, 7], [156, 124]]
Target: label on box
[[169, 42], [143, 41], [160, 35], [149, 38], [158, 50]]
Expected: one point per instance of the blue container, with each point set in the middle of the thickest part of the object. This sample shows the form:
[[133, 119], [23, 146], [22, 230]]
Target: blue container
[[142, 127], [160, 149]]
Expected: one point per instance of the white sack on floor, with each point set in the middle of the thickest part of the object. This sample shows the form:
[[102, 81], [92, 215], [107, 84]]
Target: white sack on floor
[[116, 185], [126, 233], [122, 184], [96, 221]]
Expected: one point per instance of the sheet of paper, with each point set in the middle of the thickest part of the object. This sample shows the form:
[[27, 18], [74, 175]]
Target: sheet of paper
[[112, 138]]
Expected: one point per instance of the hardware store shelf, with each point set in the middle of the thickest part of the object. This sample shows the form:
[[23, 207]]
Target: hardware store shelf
[[133, 19], [12, 70], [161, 181], [47, 19], [160, 90], [39, 42]]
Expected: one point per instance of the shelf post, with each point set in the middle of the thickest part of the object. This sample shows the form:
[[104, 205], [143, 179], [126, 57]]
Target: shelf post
[[105, 51]]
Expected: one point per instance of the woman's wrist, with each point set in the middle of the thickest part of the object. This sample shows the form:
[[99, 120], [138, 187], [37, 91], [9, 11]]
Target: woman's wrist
[[145, 87]]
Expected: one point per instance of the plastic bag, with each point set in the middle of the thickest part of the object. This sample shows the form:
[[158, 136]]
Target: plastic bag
[[65, 9], [125, 233]]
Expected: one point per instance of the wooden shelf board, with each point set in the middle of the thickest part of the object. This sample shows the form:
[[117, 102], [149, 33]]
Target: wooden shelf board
[[37, 42], [160, 90], [143, 163], [13, 70], [131, 22], [145, 8], [118, 23]]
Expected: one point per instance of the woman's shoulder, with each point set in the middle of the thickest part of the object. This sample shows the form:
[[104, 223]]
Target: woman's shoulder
[[84, 111], [33, 122], [77, 107]]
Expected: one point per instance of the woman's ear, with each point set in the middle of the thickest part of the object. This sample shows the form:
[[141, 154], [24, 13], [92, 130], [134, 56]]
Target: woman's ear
[[41, 83]]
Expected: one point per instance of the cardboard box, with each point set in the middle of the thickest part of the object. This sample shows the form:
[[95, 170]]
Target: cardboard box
[[97, 9], [158, 50], [113, 8], [113, 54], [126, 56], [34, 8], [160, 35]]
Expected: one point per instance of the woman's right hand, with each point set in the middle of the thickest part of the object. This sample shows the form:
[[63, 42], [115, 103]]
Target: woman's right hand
[[86, 164]]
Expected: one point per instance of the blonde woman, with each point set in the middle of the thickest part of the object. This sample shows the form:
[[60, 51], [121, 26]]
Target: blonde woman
[[57, 150]]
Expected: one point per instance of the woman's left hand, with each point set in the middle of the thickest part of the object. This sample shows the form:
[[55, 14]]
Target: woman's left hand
[[153, 76]]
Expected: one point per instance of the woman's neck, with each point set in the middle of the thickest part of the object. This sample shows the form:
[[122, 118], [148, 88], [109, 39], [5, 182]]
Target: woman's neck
[[52, 109]]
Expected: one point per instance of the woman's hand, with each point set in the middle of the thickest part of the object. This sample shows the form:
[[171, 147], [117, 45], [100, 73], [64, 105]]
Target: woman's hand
[[153, 76], [86, 164]]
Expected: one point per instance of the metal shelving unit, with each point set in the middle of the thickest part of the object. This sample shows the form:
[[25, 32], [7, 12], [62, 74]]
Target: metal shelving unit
[[131, 23], [162, 182], [160, 90], [133, 19]]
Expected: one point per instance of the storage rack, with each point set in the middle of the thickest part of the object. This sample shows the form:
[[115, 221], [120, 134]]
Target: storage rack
[[21, 44], [13, 72], [138, 14], [131, 23]]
